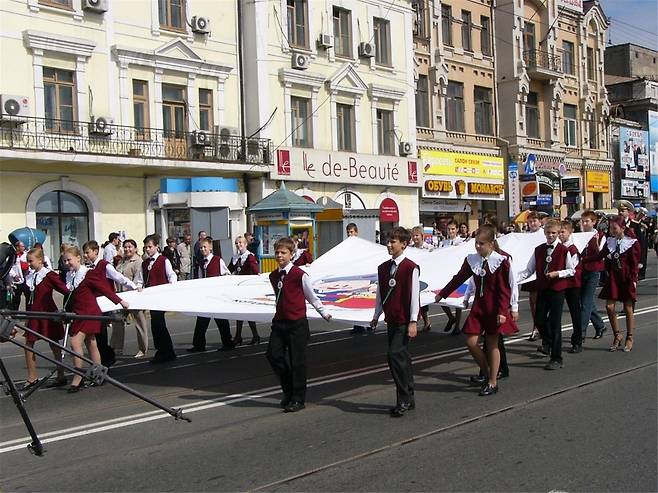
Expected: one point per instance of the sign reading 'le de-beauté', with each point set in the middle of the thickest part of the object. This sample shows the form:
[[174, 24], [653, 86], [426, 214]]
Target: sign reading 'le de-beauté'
[[309, 165]]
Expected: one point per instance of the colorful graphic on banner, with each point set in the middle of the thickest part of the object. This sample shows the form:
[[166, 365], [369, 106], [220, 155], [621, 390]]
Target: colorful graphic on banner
[[653, 150]]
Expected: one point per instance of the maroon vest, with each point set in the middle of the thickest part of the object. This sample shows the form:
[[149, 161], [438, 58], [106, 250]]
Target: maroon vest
[[157, 275], [101, 269], [591, 250], [213, 268], [558, 262], [398, 302], [576, 281], [250, 266], [291, 302]]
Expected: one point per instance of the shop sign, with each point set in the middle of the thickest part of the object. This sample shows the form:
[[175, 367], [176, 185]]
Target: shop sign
[[573, 5], [486, 189], [544, 199], [633, 154], [547, 180], [513, 192], [310, 165], [529, 187], [438, 205], [438, 186], [571, 184], [388, 211], [653, 150], [598, 181], [571, 199], [455, 164], [463, 189], [634, 189]]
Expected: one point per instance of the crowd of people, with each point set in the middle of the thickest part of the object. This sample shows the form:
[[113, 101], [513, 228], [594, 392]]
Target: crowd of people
[[563, 273]]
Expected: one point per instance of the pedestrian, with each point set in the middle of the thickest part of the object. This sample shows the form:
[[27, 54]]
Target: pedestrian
[[286, 350], [84, 288], [13, 285], [454, 321], [495, 308], [212, 266], [572, 290], [418, 242], [130, 267], [353, 230], [641, 233], [551, 263], [398, 297], [624, 209], [171, 252], [253, 245], [110, 250], [156, 271], [622, 259], [533, 224], [19, 272], [463, 231], [185, 252], [591, 275], [41, 281], [196, 259], [244, 263], [301, 256]]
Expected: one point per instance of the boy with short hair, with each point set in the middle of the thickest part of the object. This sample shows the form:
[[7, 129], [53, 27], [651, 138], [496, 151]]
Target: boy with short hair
[[572, 291], [398, 296], [552, 263], [591, 275], [157, 270], [286, 350], [352, 230], [244, 263]]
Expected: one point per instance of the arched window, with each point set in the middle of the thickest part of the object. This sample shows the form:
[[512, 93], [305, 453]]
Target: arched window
[[64, 218]]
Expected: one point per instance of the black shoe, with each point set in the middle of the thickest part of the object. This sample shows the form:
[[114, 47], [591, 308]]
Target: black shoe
[[488, 389], [158, 358], [448, 326], [478, 379], [254, 341], [56, 383], [370, 330], [293, 407], [553, 365], [74, 388], [226, 347], [575, 349], [503, 374], [357, 330], [456, 331], [599, 333], [284, 402], [28, 385], [195, 349], [544, 349], [399, 410]]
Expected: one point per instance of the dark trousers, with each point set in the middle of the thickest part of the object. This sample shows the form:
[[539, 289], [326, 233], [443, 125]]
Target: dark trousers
[[161, 338], [108, 357], [202, 323], [286, 353], [572, 295], [548, 318], [399, 362]]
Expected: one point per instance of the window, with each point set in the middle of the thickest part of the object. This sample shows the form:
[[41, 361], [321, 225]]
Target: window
[[64, 218], [570, 125], [593, 134], [172, 14], [466, 31], [532, 115], [382, 30], [141, 109], [483, 111], [485, 35], [591, 72], [446, 24], [56, 3], [567, 57], [420, 20], [205, 110], [345, 124], [343, 32], [455, 107], [385, 132], [174, 109], [59, 99], [529, 36], [422, 102], [297, 23], [301, 122]]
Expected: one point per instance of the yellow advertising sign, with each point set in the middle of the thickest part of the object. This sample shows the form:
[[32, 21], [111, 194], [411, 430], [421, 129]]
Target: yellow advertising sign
[[463, 165], [598, 181]]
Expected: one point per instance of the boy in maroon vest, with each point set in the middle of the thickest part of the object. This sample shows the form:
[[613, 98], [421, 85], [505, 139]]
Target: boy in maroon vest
[[398, 294], [553, 265], [572, 292], [157, 270], [211, 266], [286, 350], [591, 275]]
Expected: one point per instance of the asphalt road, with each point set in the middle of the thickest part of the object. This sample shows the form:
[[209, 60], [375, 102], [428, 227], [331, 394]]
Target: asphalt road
[[591, 426]]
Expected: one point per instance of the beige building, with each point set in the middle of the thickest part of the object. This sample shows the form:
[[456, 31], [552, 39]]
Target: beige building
[[122, 116], [552, 100]]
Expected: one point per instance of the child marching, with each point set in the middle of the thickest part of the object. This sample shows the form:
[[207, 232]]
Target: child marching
[[244, 263]]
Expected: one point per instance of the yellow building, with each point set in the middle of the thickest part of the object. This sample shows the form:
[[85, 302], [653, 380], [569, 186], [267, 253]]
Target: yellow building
[[107, 103]]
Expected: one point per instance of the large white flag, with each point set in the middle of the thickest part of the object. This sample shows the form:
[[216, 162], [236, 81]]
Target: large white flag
[[344, 278]]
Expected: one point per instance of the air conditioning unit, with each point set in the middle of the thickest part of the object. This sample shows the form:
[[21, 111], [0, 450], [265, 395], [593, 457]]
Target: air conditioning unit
[[406, 148], [325, 41], [200, 138], [300, 61], [97, 6], [228, 142], [200, 25], [366, 50], [101, 125], [16, 108]]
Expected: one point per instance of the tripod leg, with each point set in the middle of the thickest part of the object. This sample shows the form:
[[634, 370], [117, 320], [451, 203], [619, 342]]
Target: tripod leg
[[54, 370], [35, 447]]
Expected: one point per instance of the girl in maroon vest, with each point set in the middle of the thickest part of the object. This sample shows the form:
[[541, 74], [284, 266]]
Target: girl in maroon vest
[[40, 282], [244, 263], [622, 261], [85, 286], [286, 350], [495, 308]]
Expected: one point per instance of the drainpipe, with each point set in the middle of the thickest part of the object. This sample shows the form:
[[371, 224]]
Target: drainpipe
[[241, 97]]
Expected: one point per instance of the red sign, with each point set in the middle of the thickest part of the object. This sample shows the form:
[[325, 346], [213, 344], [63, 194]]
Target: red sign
[[412, 171], [283, 162], [388, 211]]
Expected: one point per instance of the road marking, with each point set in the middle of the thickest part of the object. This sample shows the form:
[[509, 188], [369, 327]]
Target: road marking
[[202, 405]]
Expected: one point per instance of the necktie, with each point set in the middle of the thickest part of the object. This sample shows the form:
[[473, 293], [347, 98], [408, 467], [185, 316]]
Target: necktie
[[483, 273], [279, 285], [205, 267], [617, 256], [549, 258]]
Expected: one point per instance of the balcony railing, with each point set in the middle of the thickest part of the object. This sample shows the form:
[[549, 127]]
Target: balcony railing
[[41, 134], [542, 60]]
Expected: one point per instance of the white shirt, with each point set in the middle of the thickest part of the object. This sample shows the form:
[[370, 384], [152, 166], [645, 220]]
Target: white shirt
[[169, 271], [451, 242], [116, 276], [34, 278], [415, 292], [74, 278], [109, 252], [570, 270], [307, 287]]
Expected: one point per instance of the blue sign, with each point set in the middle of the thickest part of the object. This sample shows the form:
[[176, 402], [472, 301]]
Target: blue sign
[[530, 164], [544, 199], [653, 150]]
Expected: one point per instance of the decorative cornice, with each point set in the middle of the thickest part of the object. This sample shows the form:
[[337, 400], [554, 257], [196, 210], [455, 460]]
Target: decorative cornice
[[347, 72], [37, 40], [383, 92]]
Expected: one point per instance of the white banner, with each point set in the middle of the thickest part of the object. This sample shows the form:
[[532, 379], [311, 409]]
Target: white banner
[[345, 279]]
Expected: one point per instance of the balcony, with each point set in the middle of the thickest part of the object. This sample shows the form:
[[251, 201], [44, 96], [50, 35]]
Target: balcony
[[84, 138], [542, 65]]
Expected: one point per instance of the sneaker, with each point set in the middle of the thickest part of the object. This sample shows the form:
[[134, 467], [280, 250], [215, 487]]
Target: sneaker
[[578, 348], [488, 389], [553, 365], [140, 354]]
